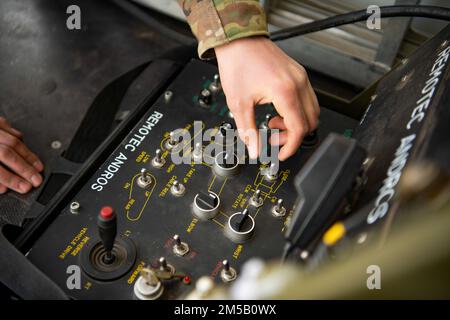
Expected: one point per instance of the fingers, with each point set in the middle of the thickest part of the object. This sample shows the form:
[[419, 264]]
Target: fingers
[[3, 189], [11, 159], [243, 113], [310, 106], [278, 139], [289, 107], [4, 124], [277, 123], [18, 146], [12, 181], [299, 108]]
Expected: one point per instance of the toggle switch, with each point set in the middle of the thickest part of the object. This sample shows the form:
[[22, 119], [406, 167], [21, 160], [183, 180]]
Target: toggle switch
[[179, 248], [198, 153], [178, 189], [256, 200], [205, 98], [265, 125], [271, 173], [172, 142], [215, 85], [158, 161], [227, 274], [144, 180], [279, 210]]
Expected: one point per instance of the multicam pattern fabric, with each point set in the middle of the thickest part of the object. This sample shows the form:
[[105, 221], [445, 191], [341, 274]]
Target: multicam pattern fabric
[[217, 22]]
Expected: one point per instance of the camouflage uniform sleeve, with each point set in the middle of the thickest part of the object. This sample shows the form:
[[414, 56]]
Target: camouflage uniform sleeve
[[217, 22]]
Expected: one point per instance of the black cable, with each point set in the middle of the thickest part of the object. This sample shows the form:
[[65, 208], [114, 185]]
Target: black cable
[[432, 12]]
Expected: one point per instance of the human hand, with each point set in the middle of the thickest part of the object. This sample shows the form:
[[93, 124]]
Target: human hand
[[255, 71], [19, 167]]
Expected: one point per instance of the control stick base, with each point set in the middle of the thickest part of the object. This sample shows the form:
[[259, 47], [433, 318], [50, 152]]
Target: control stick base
[[93, 259]]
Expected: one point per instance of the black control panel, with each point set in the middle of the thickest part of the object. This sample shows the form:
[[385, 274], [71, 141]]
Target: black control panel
[[144, 227]]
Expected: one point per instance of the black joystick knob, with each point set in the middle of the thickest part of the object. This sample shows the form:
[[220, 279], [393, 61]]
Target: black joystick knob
[[240, 227], [239, 222], [107, 229]]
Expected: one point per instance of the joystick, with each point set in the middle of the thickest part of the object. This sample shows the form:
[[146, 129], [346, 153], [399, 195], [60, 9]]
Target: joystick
[[107, 229], [109, 257]]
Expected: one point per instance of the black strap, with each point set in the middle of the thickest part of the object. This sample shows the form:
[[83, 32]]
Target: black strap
[[22, 277]]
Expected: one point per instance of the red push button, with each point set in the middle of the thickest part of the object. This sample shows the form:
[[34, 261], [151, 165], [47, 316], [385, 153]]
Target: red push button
[[107, 212]]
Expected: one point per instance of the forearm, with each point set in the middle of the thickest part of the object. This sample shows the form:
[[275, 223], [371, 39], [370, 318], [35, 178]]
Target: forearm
[[218, 22]]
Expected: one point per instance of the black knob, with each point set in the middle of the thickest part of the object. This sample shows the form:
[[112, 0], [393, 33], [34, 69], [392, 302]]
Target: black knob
[[311, 139], [107, 229], [206, 205], [240, 227], [239, 221]]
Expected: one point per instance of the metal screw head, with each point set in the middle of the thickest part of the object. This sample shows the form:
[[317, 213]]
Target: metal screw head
[[361, 238], [168, 96], [56, 144], [75, 207], [304, 255]]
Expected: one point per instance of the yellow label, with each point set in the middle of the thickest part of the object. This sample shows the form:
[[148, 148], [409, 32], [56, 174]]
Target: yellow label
[[192, 225], [136, 272], [74, 243], [238, 251]]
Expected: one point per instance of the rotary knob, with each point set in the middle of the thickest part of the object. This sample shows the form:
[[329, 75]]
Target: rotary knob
[[206, 205], [226, 164], [240, 227]]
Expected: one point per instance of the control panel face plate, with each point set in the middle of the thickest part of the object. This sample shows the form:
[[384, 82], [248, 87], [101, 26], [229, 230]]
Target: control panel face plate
[[151, 216]]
